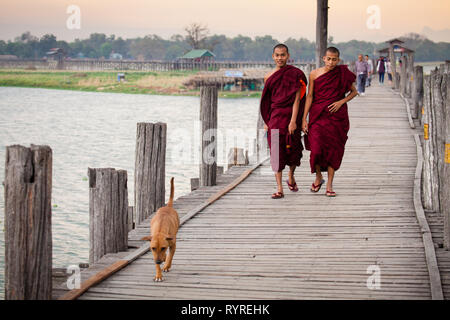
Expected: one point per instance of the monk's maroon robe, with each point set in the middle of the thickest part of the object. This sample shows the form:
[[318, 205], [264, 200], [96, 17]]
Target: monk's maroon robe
[[276, 107], [327, 132]]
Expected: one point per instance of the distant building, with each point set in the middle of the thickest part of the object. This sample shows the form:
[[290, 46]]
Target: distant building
[[198, 55], [397, 47], [115, 56], [229, 79], [57, 54]]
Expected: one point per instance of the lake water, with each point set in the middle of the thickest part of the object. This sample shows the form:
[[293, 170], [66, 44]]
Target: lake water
[[98, 130], [429, 66]]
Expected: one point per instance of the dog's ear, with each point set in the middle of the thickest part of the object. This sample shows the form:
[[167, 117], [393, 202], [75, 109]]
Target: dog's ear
[[147, 238]]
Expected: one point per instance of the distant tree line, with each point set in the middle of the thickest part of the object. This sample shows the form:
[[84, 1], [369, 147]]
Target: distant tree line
[[238, 48]]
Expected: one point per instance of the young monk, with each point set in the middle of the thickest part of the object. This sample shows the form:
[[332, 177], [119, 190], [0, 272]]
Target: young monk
[[282, 104], [328, 124]]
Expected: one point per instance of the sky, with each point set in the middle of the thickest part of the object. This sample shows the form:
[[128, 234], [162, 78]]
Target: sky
[[369, 20]]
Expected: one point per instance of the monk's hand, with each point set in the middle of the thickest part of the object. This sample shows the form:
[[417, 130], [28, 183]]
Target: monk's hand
[[292, 127], [305, 126], [335, 106], [266, 128]]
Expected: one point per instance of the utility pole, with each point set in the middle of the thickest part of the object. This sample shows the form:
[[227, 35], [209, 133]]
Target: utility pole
[[321, 31]]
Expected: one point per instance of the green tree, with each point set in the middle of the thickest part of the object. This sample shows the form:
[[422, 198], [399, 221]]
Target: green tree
[[120, 46], [151, 47], [174, 51], [105, 50], [2, 47], [46, 42]]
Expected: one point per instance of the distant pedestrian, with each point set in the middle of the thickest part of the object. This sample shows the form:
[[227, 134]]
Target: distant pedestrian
[[362, 69], [389, 70], [381, 69], [369, 74]]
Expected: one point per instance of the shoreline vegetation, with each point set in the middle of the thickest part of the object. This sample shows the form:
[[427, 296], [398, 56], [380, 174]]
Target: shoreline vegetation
[[136, 82]]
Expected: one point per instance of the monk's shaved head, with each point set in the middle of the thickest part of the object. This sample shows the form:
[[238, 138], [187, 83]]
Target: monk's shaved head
[[281, 45], [333, 50]]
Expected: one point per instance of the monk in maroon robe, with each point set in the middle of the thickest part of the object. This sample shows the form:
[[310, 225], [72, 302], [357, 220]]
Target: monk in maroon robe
[[282, 105], [328, 124]]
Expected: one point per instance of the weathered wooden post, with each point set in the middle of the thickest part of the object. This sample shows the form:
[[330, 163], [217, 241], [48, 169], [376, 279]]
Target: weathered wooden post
[[28, 223], [208, 118], [131, 225], [439, 129], [433, 155], [321, 31], [427, 147], [397, 80], [393, 66], [195, 183], [149, 171], [446, 173], [237, 157], [418, 92], [403, 75], [409, 74], [108, 212]]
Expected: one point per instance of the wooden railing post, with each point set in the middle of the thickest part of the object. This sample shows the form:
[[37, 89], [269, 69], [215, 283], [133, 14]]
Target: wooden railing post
[[28, 226], [150, 167], [237, 157], [446, 172], [131, 225], [418, 92], [438, 131], [427, 147], [411, 77], [403, 75], [108, 212], [208, 118]]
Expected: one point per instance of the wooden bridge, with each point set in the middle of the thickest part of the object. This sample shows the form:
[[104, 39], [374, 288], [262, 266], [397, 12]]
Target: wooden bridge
[[246, 245]]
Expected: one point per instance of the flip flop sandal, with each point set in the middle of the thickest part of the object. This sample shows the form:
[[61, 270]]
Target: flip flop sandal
[[330, 194], [318, 186], [277, 195], [292, 187]]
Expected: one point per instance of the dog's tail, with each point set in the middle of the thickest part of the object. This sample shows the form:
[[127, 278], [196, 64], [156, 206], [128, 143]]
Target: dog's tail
[[170, 203]]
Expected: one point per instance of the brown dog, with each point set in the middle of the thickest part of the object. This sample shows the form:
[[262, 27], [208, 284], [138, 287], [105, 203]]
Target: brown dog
[[164, 228]]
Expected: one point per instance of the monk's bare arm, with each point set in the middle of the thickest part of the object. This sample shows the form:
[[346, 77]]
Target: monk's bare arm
[[353, 93], [309, 99], [296, 106], [338, 104]]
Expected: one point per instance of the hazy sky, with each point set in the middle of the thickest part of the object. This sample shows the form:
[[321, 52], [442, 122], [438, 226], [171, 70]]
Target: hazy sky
[[281, 19]]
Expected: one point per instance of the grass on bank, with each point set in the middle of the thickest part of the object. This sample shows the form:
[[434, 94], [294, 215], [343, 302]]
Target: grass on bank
[[140, 82]]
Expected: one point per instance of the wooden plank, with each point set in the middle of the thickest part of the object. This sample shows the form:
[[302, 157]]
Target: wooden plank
[[145, 247], [105, 273], [408, 111], [246, 245], [435, 278]]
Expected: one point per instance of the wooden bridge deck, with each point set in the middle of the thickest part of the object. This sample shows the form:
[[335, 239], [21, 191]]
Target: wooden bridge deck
[[305, 246]]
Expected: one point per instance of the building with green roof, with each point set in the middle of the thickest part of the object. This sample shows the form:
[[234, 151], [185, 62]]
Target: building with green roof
[[198, 55]]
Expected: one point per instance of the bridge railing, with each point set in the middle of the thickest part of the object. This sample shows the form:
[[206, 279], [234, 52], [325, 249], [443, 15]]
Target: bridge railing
[[134, 65], [430, 105]]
